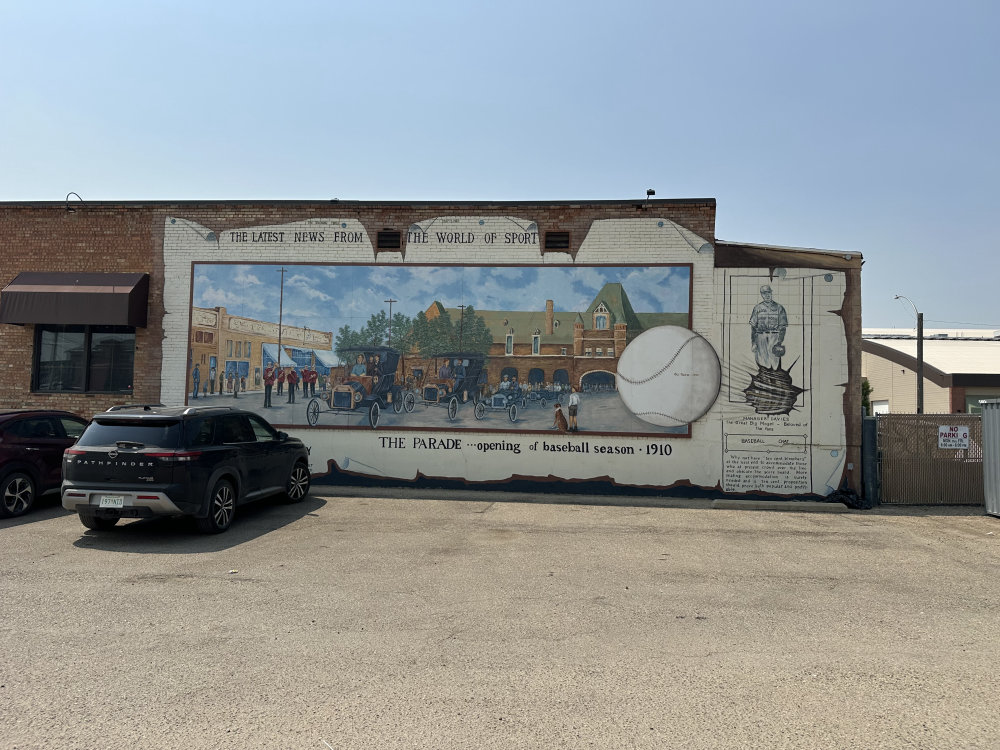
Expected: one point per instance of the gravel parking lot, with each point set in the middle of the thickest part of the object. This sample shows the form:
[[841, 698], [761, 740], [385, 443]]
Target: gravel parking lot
[[457, 620]]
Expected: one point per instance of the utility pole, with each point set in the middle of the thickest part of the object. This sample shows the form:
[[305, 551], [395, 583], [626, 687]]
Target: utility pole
[[920, 363], [461, 325], [389, 327], [281, 306], [920, 353]]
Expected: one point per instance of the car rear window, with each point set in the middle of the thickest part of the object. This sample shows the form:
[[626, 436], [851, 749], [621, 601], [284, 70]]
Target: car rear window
[[152, 433]]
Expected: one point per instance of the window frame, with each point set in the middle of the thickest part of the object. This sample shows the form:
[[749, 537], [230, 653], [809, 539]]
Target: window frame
[[89, 332]]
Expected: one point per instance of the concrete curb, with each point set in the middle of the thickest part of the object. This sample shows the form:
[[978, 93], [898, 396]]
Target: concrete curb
[[795, 506]]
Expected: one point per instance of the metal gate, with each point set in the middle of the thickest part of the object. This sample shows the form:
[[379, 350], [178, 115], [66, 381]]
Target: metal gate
[[913, 470]]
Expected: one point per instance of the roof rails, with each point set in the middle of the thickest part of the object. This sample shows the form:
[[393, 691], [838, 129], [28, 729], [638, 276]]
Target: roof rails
[[175, 409], [199, 408], [144, 407]]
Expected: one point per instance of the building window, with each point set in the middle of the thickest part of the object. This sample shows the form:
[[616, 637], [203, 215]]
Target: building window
[[536, 342], [587, 352], [602, 317], [83, 358], [611, 351], [209, 337], [246, 349], [199, 337], [229, 348], [600, 352], [509, 349], [563, 351], [239, 349]]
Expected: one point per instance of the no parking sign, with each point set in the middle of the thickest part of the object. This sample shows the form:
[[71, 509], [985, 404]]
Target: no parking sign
[[953, 437]]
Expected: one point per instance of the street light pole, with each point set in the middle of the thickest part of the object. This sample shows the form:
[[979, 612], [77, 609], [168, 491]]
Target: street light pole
[[920, 354]]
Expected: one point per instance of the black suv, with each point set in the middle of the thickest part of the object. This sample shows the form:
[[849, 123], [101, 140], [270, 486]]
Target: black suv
[[146, 461]]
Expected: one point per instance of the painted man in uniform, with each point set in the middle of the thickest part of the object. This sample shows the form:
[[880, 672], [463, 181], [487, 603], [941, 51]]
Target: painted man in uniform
[[768, 323]]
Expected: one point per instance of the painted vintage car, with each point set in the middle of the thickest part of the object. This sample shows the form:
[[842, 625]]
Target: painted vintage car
[[365, 382], [457, 378]]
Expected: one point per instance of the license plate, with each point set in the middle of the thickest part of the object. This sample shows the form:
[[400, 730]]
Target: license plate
[[112, 501]]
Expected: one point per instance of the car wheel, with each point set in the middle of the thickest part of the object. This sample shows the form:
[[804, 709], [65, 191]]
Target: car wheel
[[17, 494], [480, 410], [221, 509], [409, 401], [512, 412], [373, 414], [397, 401], [542, 402], [97, 523], [453, 408], [312, 412], [298, 483]]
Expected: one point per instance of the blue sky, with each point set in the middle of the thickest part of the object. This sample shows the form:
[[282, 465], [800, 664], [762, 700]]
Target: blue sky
[[869, 126], [328, 297]]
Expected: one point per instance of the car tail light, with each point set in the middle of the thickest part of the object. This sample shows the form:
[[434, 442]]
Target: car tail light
[[75, 452], [176, 456]]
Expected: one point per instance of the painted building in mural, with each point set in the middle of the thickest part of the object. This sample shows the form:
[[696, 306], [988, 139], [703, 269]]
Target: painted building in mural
[[606, 345], [226, 347]]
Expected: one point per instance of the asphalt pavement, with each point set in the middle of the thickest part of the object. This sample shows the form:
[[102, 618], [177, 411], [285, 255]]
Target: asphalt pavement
[[375, 619]]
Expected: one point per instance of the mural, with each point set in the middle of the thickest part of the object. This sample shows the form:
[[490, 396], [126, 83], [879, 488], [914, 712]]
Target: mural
[[470, 353], [598, 349], [771, 390], [784, 368]]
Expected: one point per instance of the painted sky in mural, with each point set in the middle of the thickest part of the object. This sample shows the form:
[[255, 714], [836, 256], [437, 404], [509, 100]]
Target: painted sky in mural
[[327, 297]]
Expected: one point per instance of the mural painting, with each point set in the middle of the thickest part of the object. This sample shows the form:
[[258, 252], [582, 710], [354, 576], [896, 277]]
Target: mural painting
[[471, 353], [608, 348], [783, 365]]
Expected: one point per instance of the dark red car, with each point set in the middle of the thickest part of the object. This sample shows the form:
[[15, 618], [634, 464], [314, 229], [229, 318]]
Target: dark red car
[[32, 442]]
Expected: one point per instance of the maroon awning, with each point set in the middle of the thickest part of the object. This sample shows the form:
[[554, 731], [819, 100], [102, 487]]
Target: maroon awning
[[112, 299]]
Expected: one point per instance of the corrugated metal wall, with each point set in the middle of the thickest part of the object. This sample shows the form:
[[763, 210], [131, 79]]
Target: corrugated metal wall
[[913, 470], [991, 456]]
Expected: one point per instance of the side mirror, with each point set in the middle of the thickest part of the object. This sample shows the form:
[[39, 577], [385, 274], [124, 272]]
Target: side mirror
[[282, 436]]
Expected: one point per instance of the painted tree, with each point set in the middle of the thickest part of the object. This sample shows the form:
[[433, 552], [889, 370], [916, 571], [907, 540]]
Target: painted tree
[[402, 332], [471, 333], [347, 339], [375, 332]]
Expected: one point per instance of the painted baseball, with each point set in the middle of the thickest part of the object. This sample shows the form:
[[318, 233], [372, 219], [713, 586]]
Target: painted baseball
[[669, 376]]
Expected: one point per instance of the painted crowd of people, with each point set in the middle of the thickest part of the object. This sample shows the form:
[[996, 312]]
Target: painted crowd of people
[[287, 379]]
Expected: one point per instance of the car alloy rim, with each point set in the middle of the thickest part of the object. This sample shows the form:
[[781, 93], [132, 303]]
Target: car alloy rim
[[222, 506], [297, 483], [17, 495]]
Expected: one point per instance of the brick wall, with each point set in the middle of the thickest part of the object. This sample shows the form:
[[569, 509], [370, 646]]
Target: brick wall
[[105, 238], [128, 237]]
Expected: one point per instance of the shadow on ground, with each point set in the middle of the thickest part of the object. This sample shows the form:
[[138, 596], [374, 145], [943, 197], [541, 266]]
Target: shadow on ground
[[179, 536], [46, 508]]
